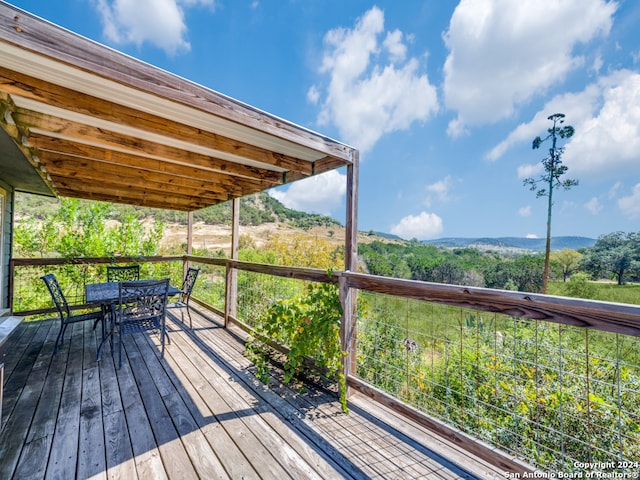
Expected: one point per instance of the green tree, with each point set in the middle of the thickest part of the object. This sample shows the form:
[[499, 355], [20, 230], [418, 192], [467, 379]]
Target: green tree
[[617, 254], [81, 229], [522, 273], [565, 262], [579, 286], [32, 237], [552, 177]]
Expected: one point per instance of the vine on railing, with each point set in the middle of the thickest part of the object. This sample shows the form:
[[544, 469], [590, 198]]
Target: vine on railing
[[309, 326]]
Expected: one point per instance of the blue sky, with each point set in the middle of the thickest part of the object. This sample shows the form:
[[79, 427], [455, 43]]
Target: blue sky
[[443, 99]]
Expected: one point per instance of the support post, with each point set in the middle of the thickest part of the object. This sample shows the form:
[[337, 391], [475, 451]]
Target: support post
[[232, 273], [347, 294], [185, 265], [351, 222]]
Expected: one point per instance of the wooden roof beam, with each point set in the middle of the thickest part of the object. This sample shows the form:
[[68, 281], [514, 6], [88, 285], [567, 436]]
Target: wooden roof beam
[[40, 91], [61, 128], [63, 148], [134, 197], [90, 176]]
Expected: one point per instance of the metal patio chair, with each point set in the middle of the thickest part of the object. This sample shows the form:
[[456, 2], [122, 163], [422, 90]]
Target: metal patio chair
[[123, 274], [187, 286], [141, 307], [64, 310]]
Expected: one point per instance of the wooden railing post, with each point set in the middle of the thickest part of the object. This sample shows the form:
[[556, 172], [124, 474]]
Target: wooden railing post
[[347, 328], [11, 284], [348, 294], [231, 277], [230, 300], [185, 261]]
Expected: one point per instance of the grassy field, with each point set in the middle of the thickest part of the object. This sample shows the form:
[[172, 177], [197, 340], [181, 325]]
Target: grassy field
[[607, 292]]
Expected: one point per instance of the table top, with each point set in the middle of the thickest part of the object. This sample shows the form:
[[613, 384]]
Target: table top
[[109, 292]]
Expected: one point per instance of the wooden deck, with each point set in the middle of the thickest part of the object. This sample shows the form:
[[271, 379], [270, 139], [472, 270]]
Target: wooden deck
[[197, 413]]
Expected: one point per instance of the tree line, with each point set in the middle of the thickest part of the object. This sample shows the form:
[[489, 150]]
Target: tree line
[[614, 256]]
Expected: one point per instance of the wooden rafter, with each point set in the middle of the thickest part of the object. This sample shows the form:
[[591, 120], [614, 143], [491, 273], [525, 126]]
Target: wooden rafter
[[89, 135], [56, 96], [62, 149]]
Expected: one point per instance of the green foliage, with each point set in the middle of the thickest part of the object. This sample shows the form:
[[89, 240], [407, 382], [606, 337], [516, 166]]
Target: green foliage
[[615, 254], [565, 262], [309, 326], [81, 229], [254, 210], [517, 384], [580, 286], [461, 266], [303, 318], [604, 291], [553, 167]]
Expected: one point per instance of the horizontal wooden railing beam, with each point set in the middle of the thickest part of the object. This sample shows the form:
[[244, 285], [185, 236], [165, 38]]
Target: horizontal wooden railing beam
[[34, 262], [607, 316], [299, 273]]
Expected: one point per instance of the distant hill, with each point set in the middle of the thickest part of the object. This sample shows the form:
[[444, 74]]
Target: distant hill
[[255, 209], [261, 209], [514, 243]]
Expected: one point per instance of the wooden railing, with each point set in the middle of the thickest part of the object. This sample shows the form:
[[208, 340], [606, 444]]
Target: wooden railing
[[509, 314]]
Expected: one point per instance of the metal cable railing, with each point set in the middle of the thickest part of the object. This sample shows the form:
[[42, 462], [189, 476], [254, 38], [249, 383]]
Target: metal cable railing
[[556, 396]]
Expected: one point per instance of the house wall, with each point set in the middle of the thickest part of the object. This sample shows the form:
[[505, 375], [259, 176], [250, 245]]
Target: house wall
[[6, 216]]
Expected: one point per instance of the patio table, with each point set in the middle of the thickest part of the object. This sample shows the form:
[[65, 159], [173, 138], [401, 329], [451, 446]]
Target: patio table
[[107, 294]]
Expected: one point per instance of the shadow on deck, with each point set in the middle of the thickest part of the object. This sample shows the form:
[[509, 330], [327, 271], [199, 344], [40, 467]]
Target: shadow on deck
[[197, 413]]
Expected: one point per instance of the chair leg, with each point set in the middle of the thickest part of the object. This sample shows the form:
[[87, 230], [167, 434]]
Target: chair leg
[[119, 350], [60, 337], [162, 335], [189, 314]]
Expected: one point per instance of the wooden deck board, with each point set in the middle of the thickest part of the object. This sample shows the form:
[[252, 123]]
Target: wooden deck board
[[198, 412], [237, 418], [290, 461]]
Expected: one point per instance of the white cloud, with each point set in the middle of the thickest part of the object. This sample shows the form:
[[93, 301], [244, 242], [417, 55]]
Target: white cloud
[[502, 53], [607, 141], [594, 206], [440, 189], [630, 205], [159, 22], [456, 128], [606, 118], [613, 191], [318, 194], [597, 64], [313, 95], [525, 211], [422, 226], [526, 171], [372, 89], [573, 105]]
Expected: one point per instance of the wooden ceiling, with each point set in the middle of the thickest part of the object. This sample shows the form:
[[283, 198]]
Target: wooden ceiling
[[98, 124]]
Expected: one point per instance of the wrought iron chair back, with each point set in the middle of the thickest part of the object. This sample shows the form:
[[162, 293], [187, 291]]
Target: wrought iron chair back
[[185, 296], [66, 317], [127, 273], [141, 307]]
